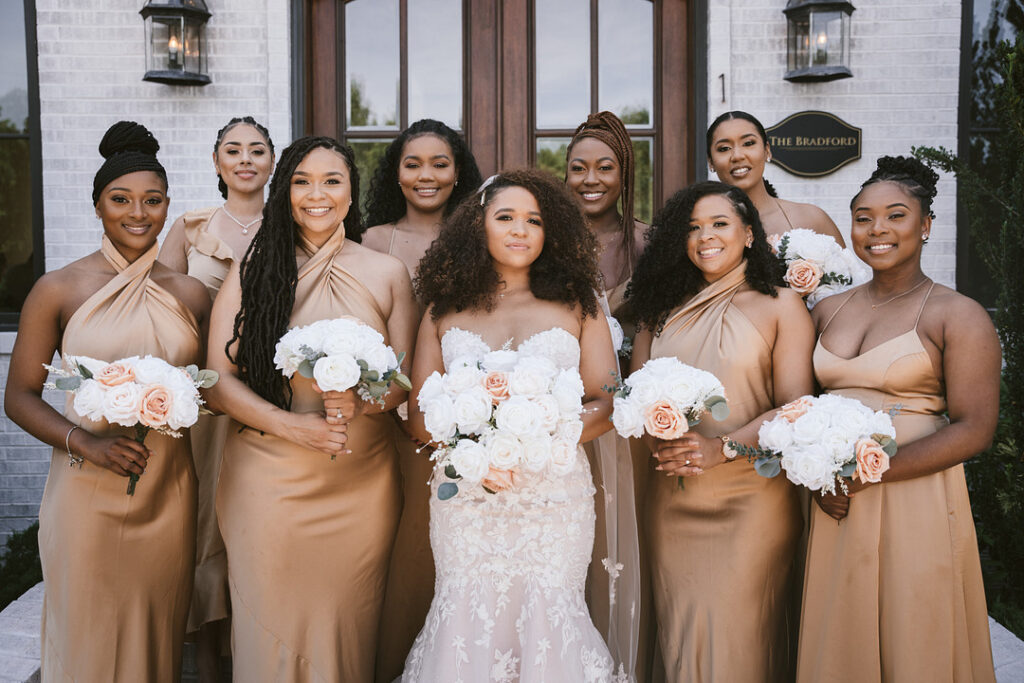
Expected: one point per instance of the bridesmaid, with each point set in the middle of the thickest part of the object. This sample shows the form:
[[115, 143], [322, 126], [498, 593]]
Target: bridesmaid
[[308, 539], [708, 291], [203, 244], [424, 173], [894, 591], [117, 568], [737, 153]]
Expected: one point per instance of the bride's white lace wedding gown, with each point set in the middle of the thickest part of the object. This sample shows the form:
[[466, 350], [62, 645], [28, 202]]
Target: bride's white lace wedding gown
[[511, 567]]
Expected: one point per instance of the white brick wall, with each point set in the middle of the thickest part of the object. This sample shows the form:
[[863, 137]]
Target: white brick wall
[[91, 62], [905, 58]]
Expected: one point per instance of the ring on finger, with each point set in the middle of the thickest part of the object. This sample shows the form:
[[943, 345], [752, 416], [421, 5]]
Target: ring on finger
[[687, 462], [339, 415]]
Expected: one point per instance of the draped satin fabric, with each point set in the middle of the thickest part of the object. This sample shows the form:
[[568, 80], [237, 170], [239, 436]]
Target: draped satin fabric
[[308, 538], [209, 259], [722, 548], [118, 568], [894, 592]]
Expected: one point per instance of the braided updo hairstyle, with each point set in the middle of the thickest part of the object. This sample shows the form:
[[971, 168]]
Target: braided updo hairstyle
[[127, 147], [239, 121], [457, 272], [750, 118], [916, 178], [269, 274], [386, 203], [609, 129], [666, 278]]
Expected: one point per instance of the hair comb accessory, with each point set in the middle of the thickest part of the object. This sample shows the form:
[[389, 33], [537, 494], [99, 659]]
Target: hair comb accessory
[[483, 188]]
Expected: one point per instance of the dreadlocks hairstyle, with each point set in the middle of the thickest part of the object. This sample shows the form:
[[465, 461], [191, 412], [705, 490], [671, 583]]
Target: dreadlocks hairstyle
[[233, 123], [665, 278], [916, 178], [609, 129], [750, 118], [457, 272], [269, 274], [385, 202]]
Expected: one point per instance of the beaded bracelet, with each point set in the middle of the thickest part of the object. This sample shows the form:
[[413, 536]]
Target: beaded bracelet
[[72, 458]]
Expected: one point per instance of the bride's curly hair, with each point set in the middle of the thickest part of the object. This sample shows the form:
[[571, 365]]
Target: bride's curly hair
[[457, 273], [665, 278]]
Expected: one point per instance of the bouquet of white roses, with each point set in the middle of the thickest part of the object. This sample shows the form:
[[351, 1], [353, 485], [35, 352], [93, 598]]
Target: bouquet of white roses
[[665, 398], [816, 266], [145, 393], [339, 354], [505, 412], [819, 440]]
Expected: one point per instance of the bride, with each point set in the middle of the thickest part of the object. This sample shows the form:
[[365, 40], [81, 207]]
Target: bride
[[514, 270]]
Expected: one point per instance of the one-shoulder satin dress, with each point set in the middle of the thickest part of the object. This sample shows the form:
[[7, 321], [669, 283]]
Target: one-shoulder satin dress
[[308, 538], [118, 568], [894, 591], [722, 548]]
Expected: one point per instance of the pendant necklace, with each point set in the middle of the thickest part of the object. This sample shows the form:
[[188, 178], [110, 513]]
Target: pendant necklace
[[874, 305], [244, 226]]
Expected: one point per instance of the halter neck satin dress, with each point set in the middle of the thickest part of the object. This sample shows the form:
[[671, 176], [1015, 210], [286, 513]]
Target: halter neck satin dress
[[118, 568], [308, 538], [209, 259], [894, 591], [722, 548]]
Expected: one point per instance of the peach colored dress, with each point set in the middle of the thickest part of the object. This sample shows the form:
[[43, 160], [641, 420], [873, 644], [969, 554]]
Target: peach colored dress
[[118, 568], [894, 591], [410, 586], [209, 259], [722, 548], [308, 538]]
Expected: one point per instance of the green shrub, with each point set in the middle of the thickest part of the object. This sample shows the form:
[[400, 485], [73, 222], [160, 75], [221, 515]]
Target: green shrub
[[19, 565]]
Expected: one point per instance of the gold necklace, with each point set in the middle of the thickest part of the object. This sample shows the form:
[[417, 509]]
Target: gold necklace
[[874, 305]]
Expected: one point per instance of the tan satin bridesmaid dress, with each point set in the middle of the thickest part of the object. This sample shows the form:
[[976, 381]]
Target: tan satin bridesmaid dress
[[209, 259], [722, 548], [118, 568], [894, 592], [308, 538]]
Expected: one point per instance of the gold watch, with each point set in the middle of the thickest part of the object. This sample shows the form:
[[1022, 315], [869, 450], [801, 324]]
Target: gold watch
[[727, 450]]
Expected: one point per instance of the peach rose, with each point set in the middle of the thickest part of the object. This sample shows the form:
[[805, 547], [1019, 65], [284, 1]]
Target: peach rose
[[499, 480], [496, 384], [114, 374], [793, 410], [803, 276], [155, 406], [663, 421], [872, 461]]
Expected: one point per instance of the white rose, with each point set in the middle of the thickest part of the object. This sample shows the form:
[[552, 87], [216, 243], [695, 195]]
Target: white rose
[[376, 358], [89, 399], [536, 453], [519, 416], [644, 389], [472, 410], [439, 418], [569, 430], [181, 385], [680, 388], [852, 424], [470, 460], [462, 379], [433, 386], [810, 427], [881, 423], [150, 370], [568, 391], [504, 451], [563, 457], [549, 412], [121, 404], [90, 364], [809, 467], [532, 376], [336, 372], [502, 360], [627, 417], [776, 435], [184, 412]]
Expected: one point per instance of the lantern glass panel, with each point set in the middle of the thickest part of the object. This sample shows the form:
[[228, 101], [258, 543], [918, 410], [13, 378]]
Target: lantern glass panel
[[799, 42], [193, 48], [826, 38], [165, 47]]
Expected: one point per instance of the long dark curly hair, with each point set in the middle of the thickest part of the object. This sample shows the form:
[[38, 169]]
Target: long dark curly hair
[[749, 118], [916, 178], [665, 278], [385, 202], [457, 272], [269, 274]]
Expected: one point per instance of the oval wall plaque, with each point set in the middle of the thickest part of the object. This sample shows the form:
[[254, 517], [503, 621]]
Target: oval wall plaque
[[813, 143]]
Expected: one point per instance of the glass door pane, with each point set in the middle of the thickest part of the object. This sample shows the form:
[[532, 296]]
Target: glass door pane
[[435, 61], [625, 61], [562, 76], [372, 78]]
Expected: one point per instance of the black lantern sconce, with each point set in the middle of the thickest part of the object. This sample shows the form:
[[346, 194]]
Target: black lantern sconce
[[176, 42], [818, 44]]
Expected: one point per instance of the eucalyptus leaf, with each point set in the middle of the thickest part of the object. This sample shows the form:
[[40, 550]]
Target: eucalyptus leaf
[[449, 471], [692, 422], [447, 490], [370, 376], [403, 382], [85, 372], [401, 357], [363, 365], [377, 389], [193, 371], [207, 378], [768, 467], [848, 469], [68, 383], [306, 369], [719, 408]]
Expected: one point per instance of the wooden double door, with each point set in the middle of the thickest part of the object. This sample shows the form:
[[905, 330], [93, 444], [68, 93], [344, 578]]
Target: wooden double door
[[514, 76]]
